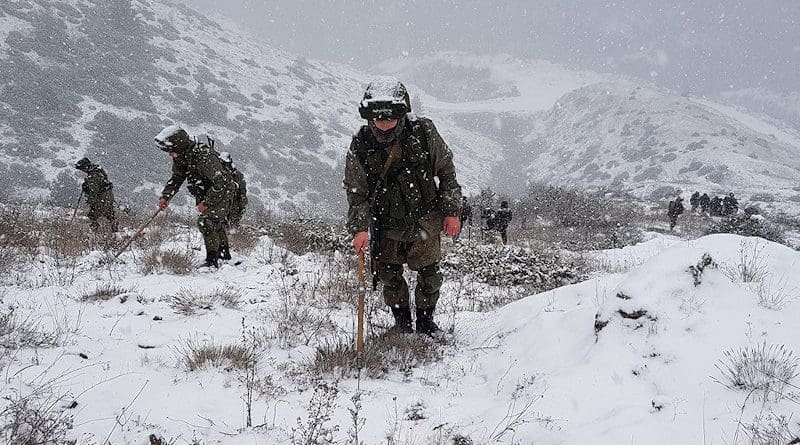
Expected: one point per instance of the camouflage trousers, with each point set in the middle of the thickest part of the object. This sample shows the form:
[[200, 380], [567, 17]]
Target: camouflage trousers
[[102, 206], [213, 224], [422, 255]]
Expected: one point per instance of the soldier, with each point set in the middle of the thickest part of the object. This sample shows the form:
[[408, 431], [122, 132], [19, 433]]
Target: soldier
[[389, 179], [503, 219], [730, 205], [695, 201], [675, 208], [715, 206], [705, 203], [195, 161], [239, 201], [99, 194]]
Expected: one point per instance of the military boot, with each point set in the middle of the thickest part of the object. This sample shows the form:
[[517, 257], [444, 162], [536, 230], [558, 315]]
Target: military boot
[[402, 321], [224, 252], [425, 323], [212, 258]]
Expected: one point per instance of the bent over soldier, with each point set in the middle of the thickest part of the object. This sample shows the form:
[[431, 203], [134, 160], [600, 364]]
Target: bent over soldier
[[99, 194], [196, 162], [395, 204]]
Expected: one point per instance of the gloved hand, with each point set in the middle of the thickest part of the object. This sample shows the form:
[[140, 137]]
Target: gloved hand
[[201, 207], [163, 203], [451, 225], [360, 242]]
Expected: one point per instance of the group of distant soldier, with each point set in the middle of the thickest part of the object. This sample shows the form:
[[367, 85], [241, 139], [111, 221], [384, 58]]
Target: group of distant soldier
[[716, 206]]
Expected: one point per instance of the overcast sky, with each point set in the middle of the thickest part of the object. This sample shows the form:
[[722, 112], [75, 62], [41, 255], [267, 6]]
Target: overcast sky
[[690, 46]]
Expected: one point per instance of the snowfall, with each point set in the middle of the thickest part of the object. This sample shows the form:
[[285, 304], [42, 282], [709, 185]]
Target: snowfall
[[644, 352]]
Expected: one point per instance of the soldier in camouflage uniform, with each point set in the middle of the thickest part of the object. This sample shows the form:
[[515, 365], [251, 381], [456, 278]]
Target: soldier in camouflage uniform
[[394, 202], [211, 185], [99, 194], [239, 204]]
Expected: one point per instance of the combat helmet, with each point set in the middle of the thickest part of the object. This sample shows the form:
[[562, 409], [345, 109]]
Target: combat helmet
[[84, 164], [173, 138], [385, 99]]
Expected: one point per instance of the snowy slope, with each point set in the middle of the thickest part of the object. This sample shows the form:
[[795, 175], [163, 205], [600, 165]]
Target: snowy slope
[[535, 371]]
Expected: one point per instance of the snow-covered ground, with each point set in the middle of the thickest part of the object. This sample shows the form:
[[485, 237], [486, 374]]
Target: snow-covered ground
[[561, 367]]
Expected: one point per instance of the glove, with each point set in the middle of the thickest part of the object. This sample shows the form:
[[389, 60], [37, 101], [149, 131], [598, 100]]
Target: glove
[[451, 225], [163, 203], [360, 242], [201, 207]]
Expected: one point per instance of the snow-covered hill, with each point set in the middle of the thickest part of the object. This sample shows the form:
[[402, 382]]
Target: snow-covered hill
[[635, 355], [102, 77]]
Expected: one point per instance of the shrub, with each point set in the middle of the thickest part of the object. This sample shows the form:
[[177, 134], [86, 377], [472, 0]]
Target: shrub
[[317, 429], [303, 235], [698, 269], [25, 332], [36, 419], [767, 368], [748, 225]]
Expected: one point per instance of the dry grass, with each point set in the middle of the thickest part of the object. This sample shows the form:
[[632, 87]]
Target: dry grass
[[35, 419], [244, 239], [382, 354], [763, 368], [104, 292], [195, 355], [170, 261], [24, 331], [189, 301]]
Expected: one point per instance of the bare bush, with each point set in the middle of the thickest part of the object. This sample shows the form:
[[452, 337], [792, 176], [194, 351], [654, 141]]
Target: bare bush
[[751, 266], [767, 368], [382, 354], [770, 429], [195, 355], [189, 301], [774, 293], [104, 292], [317, 429], [244, 239], [36, 419], [25, 331]]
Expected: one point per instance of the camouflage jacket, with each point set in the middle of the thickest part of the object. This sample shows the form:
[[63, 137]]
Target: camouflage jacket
[[96, 183], [408, 192], [206, 179]]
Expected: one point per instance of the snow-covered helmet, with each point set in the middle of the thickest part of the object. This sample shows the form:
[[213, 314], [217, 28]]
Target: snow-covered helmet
[[173, 138], [385, 98], [84, 164]]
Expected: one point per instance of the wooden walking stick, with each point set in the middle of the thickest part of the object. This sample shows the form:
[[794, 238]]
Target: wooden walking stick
[[138, 232], [362, 292], [77, 204]]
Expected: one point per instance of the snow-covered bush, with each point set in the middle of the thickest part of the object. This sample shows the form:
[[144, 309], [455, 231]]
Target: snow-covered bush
[[303, 235], [698, 269], [766, 368], [36, 419], [748, 225], [774, 292], [508, 265], [751, 266], [770, 429], [317, 429], [24, 331]]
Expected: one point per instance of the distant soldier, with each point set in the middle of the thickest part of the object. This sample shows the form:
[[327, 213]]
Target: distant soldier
[[730, 205], [715, 206], [675, 208], [695, 201], [705, 203], [99, 194], [213, 187], [503, 217]]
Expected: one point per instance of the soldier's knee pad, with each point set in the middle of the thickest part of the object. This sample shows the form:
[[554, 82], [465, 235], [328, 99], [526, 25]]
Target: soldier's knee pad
[[391, 275], [430, 279]]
